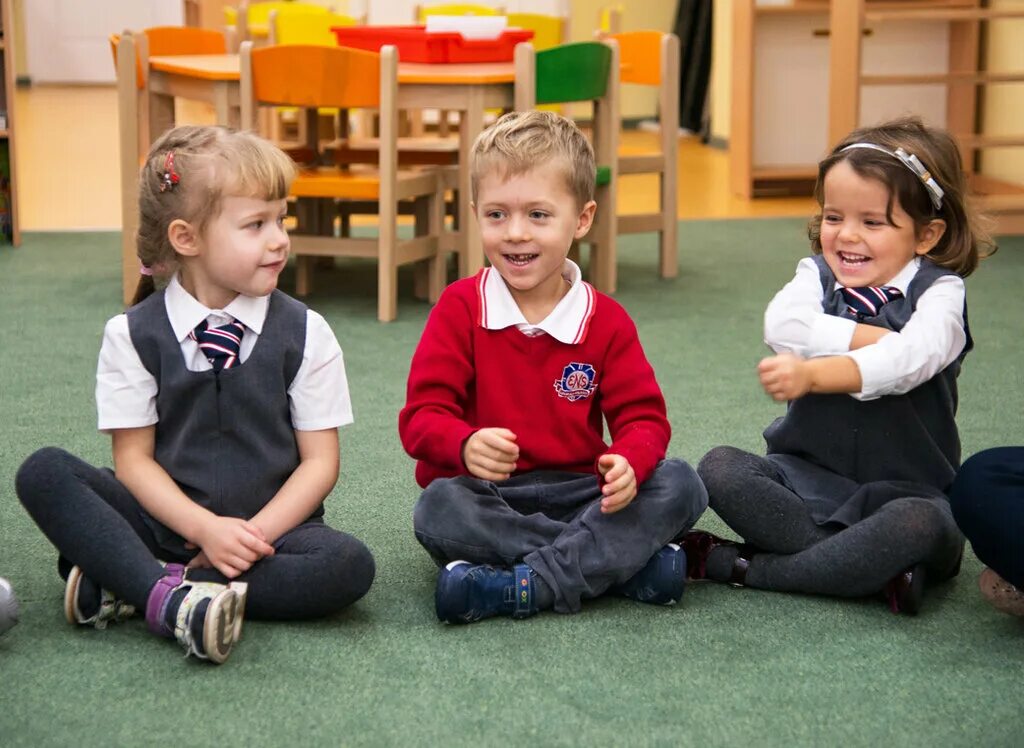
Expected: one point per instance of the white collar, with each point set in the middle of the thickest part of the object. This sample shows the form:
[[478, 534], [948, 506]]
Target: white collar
[[902, 279], [185, 311], [568, 322]]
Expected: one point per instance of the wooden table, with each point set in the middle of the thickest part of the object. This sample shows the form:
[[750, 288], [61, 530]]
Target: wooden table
[[468, 88]]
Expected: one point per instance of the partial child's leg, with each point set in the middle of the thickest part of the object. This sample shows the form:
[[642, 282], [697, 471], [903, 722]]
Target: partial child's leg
[[315, 571], [549, 530], [487, 528], [597, 551], [863, 558], [96, 525], [988, 503], [747, 492], [465, 518], [93, 521]]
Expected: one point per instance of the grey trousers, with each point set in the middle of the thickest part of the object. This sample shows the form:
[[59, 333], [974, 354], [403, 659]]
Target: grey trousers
[[552, 521]]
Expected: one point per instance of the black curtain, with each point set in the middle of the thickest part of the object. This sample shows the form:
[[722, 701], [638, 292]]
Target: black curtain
[[693, 27]]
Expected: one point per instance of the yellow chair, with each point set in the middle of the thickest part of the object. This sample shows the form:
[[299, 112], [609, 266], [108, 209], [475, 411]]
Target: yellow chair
[[307, 28], [548, 31], [251, 20], [314, 76], [651, 58], [457, 9]]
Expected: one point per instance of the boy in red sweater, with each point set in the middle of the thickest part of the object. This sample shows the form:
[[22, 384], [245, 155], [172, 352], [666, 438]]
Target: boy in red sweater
[[516, 372]]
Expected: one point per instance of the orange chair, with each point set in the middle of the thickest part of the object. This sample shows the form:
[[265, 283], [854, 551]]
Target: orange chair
[[159, 41], [308, 28], [651, 58], [311, 77]]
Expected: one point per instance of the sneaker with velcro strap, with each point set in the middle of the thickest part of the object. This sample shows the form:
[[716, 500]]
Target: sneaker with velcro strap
[[471, 592]]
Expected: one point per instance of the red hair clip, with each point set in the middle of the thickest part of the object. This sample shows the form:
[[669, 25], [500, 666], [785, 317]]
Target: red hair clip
[[170, 177]]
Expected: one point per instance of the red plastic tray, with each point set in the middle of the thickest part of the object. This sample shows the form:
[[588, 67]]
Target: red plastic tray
[[416, 45]]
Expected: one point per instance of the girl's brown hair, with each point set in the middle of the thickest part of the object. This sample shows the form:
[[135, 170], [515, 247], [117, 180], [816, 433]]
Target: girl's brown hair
[[966, 239], [206, 164]]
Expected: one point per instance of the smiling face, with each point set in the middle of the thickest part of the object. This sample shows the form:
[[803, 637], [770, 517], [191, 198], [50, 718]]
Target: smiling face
[[860, 244], [528, 222], [241, 251]]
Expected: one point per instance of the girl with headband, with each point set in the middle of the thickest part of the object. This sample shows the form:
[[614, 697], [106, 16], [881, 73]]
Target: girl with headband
[[869, 337]]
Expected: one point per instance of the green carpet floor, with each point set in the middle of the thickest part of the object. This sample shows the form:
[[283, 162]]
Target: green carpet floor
[[725, 667]]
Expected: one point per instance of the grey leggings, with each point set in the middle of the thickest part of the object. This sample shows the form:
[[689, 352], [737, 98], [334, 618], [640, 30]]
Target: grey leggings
[[95, 523], [747, 492]]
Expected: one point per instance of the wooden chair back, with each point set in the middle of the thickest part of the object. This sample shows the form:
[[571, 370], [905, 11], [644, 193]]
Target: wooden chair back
[[651, 58], [578, 72]]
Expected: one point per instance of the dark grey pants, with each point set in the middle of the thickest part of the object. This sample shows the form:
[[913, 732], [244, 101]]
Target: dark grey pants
[[552, 521], [749, 493], [95, 523]]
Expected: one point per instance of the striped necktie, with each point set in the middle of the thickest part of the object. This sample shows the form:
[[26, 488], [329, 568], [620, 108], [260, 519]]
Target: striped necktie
[[868, 301], [219, 344]]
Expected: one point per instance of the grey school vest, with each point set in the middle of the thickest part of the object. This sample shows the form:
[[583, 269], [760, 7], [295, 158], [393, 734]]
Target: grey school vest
[[225, 438], [911, 437]]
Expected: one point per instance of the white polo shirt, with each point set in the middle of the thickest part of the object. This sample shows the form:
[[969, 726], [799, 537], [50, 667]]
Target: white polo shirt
[[568, 322]]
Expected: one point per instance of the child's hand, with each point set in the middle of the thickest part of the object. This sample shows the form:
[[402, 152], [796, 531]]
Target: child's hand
[[619, 482], [491, 454], [232, 545], [785, 377]]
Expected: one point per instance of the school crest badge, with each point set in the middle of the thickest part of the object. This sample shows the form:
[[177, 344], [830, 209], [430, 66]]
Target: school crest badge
[[577, 383]]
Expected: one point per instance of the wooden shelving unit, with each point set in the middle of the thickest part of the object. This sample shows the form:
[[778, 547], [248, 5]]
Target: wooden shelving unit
[[963, 82], [808, 72], [774, 45], [8, 191]]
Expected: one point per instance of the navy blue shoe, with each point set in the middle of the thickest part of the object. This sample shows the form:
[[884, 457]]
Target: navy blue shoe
[[661, 581], [467, 592]]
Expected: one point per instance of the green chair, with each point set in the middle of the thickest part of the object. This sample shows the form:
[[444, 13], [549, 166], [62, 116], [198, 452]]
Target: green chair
[[582, 72]]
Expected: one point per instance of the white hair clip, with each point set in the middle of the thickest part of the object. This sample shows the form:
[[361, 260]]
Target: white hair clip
[[913, 163]]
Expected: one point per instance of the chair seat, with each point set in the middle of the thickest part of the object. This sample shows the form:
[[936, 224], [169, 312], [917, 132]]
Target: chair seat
[[358, 183]]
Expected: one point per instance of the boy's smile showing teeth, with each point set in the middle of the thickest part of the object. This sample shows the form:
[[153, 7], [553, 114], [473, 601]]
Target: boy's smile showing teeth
[[520, 259]]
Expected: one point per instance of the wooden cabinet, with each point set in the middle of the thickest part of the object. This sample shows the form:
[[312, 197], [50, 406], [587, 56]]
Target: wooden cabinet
[[9, 231], [784, 92]]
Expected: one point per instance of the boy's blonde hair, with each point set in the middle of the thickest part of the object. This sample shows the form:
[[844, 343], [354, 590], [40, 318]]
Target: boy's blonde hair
[[206, 165], [965, 240], [521, 141]]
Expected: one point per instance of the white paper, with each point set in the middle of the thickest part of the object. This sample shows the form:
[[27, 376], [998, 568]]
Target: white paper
[[471, 27]]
